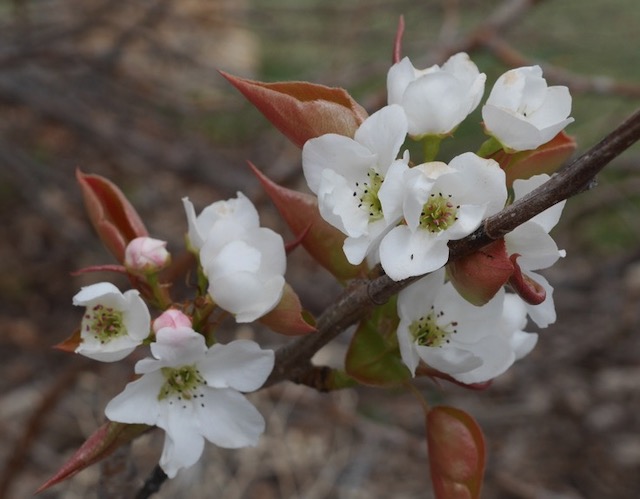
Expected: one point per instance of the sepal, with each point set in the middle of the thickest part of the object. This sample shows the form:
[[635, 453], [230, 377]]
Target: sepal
[[288, 317], [302, 110], [480, 275], [98, 446]]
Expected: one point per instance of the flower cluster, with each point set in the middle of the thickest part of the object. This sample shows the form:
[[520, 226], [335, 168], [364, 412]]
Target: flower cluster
[[187, 388], [402, 215]]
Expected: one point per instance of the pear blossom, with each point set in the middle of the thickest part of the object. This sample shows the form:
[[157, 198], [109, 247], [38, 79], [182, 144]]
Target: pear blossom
[[245, 268], [441, 203], [471, 344], [193, 393], [437, 99], [522, 112], [145, 255], [114, 323], [240, 209], [536, 249], [358, 180]]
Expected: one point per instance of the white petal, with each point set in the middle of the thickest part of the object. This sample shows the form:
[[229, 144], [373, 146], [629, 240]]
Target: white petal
[[511, 129], [383, 133], [357, 248], [136, 317], [339, 206], [112, 351], [416, 299], [392, 190], [522, 343], [97, 292], [227, 419], [183, 444], [398, 78], [336, 152], [195, 238], [536, 248], [497, 356], [241, 365], [138, 403], [404, 253], [174, 347], [247, 295], [555, 108], [408, 353], [449, 359]]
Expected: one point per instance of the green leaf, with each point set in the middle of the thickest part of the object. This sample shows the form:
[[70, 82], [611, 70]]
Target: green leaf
[[373, 357]]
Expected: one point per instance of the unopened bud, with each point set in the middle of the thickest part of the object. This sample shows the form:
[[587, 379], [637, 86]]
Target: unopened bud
[[145, 255]]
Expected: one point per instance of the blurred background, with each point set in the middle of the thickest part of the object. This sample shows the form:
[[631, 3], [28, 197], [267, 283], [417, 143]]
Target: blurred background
[[130, 90]]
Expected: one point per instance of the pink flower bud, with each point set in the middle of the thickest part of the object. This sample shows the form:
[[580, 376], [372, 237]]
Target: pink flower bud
[[145, 255], [171, 318]]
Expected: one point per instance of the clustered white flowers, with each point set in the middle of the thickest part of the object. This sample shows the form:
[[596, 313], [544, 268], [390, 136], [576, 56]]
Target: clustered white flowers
[[393, 212], [403, 215], [190, 390]]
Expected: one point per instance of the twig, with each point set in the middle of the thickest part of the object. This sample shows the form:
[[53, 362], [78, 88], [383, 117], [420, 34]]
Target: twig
[[152, 484], [293, 359]]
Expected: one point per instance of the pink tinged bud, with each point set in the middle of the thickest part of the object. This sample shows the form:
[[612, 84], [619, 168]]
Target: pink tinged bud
[[301, 110], [528, 289], [113, 217], [480, 275], [173, 319], [145, 255]]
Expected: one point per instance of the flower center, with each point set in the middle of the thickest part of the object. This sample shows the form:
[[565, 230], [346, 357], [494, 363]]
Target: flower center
[[438, 213], [367, 194], [104, 323], [427, 332], [181, 383]]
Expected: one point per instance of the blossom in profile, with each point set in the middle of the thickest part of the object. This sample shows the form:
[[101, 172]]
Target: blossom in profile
[[114, 323], [193, 393], [358, 180], [522, 112], [245, 268], [437, 99], [441, 203], [471, 344], [240, 209]]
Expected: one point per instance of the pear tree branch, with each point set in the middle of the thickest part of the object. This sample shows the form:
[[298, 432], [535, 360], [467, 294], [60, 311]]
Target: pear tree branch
[[293, 360]]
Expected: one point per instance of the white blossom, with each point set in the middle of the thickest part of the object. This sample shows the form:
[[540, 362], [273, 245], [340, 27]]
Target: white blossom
[[471, 344], [437, 99], [522, 112], [245, 268], [113, 324], [240, 210], [193, 394], [441, 203], [357, 180]]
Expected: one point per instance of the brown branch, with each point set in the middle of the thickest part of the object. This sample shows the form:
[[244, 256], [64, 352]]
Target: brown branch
[[293, 359]]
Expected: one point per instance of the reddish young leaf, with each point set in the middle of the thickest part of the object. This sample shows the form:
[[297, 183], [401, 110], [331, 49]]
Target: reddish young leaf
[[322, 241], [480, 275], [456, 453], [288, 317], [116, 221], [545, 159], [373, 357], [99, 445], [302, 110]]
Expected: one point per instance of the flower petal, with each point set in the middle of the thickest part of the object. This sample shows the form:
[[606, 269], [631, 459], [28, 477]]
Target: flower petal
[[241, 365], [138, 403], [383, 133]]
